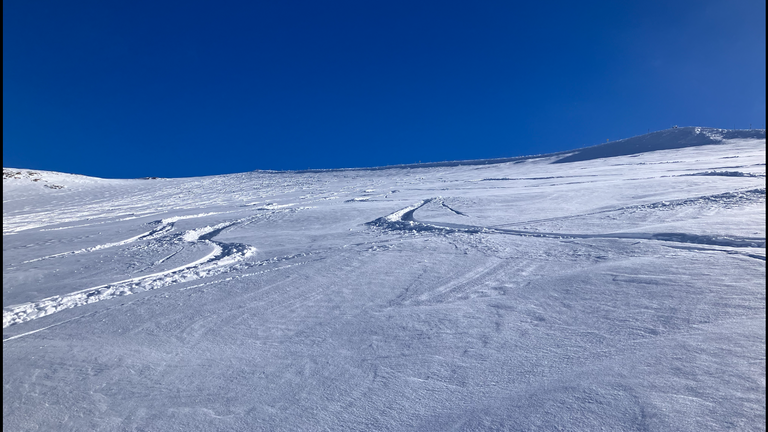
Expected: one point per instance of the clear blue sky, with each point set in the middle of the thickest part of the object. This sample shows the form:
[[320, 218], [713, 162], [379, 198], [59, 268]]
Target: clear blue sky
[[126, 89]]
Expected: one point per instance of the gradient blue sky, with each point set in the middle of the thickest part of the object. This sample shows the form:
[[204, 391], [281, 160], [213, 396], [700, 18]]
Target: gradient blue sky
[[126, 89]]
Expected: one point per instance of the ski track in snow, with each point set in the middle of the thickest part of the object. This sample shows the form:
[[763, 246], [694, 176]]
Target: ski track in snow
[[155, 233], [403, 219], [725, 199], [222, 256]]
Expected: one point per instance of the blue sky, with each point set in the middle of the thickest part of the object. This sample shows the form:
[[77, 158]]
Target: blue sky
[[125, 89]]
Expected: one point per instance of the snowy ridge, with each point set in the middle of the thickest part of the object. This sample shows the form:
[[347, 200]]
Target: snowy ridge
[[47, 179], [662, 140]]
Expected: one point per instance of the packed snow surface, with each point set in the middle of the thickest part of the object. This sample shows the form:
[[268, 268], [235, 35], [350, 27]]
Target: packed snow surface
[[618, 287]]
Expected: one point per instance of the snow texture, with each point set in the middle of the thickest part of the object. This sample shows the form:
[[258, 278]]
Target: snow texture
[[616, 287]]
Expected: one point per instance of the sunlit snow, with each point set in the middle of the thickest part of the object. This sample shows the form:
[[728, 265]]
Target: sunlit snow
[[621, 287]]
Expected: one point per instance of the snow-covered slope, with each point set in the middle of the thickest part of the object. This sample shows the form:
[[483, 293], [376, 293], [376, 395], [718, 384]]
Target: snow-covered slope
[[663, 140], [618, 287]]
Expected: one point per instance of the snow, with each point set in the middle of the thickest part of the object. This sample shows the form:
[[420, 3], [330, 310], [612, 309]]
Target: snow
[[618, 287]]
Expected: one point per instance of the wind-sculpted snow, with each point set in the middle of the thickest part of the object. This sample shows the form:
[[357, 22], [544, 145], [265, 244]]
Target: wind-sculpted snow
[[622, 293]]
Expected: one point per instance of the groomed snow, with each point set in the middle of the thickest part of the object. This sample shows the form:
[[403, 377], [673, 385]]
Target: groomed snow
[[619, 287]]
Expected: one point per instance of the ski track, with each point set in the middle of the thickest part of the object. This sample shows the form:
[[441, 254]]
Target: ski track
[[403, 220], [228, 279], [222, 256], [723, 199], [155, 233], [221, 259], [455, 287], [39, 330]]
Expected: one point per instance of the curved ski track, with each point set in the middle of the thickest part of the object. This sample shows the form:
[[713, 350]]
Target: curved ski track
[[403, 219], [219, 260]]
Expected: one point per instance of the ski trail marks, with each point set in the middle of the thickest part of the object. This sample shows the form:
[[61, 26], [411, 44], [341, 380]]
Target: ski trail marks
[[403, 220], [219, 260], [165, 226], [726, 199], [274, 260], [39, 330], [458, 286], [155, 233], [222, 258]]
